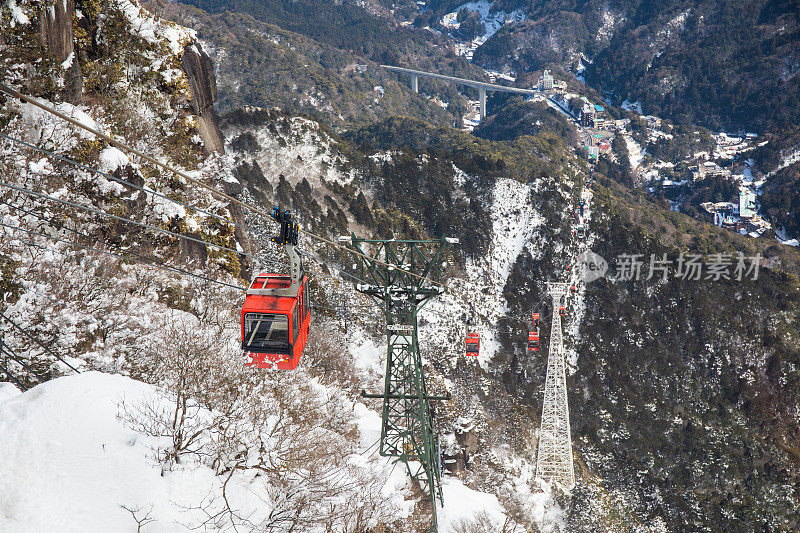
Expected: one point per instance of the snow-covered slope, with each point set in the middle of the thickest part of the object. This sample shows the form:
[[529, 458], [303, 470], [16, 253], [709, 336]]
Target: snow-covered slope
[[74, 460]]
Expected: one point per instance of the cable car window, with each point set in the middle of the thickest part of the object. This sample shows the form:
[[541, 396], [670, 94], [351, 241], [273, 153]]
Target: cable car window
[[266, 331], [308, 306], [472, 347], [295, 322]]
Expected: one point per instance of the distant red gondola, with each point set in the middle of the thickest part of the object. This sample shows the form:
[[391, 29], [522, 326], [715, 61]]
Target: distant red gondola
[[473, 344], [533, 340], [562, 310]]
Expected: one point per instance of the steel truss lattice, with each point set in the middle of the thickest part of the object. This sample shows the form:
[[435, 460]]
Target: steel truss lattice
[[554, 453], [407, 430]]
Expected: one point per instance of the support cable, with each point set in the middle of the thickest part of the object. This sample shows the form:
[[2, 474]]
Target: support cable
[[8, 353], [37, 341], [161, 266], [111, 177], [122, 219], [10, 376], [16, 94]]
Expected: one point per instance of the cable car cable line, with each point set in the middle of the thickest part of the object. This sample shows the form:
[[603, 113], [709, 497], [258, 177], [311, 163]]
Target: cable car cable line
[[16, 94], [39, 216], [37, 341], [145, 282], [111, 177], [9, 375], [123, 219], [161, 266], [10, 354]]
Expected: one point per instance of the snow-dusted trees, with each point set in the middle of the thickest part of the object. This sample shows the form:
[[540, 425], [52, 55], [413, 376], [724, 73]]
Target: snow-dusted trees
[[285, 436]]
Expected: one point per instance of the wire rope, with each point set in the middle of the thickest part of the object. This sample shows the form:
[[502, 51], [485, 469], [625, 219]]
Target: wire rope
[[16, 94], [120, 180], [23, 190], [37, 341], [161, 266]]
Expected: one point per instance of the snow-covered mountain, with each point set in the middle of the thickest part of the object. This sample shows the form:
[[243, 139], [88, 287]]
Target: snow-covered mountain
[[682, 394]]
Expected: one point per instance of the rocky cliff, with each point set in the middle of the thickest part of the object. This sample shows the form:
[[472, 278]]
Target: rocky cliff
[[199, 70], [57, 38]]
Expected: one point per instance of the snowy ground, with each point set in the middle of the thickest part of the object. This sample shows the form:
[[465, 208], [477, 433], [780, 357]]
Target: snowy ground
[[463, 505], [492, 20], [70, 463]]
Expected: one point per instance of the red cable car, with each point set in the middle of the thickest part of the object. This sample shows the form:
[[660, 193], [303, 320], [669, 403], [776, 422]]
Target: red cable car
[[562, 310], [276, 315], [533, 340], [275, 328], [473, 344], [535, 320]]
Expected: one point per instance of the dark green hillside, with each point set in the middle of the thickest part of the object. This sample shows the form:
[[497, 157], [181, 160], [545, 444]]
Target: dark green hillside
[[700, 379], [518, 117], [781, 199], [727, 65], [685, 396], [262, 65], [716, 63], [345, 26]]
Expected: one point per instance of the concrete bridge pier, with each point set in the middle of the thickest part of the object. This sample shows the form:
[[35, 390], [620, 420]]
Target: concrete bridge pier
[[415, 83], [482, 98]]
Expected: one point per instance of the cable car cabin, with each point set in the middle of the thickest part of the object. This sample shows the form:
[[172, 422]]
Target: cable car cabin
[[533, 340], [562, 310], [473, 344], [275, 328], [535, 320]]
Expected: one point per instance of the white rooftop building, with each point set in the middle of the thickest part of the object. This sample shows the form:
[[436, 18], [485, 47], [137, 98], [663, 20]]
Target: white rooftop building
[[747, 202]]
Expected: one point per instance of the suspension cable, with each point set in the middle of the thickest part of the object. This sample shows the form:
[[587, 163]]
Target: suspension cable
[[111, 177], [122, 219], [10, 376], [16, 94], [9, 353], [161, 266], [37, 341]]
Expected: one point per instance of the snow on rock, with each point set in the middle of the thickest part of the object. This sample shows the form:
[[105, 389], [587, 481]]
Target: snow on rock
[[492, 20], [112, 158], [8, 391], [635, 107], [463, 505], [69, 462], [635, 152], [68, 61], [514, 223], [151, 30], [18, 16], [44, 128], [165, 209]]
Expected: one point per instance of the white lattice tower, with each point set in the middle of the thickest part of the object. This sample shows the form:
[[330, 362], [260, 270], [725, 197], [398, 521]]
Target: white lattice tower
[[554, 455]]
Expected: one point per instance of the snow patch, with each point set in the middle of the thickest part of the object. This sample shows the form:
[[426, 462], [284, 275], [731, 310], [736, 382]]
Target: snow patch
[[8, 391], [635, 107], [112, 158], [17, 15], [62, 443], [463, 505], [68, 61]]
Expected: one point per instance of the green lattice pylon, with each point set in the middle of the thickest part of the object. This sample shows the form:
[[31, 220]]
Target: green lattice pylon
[[407, 419]]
